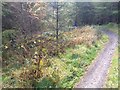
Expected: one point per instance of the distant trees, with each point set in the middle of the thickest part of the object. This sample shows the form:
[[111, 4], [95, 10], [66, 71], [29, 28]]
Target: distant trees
[[56, 7], [66, 16], [33, 17], [22, 16], [7, 17], [96, 13], [60, 16], [85, 13], [106, 12]]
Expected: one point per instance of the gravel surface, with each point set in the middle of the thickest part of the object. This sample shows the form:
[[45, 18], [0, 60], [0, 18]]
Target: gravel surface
[[96, 74]]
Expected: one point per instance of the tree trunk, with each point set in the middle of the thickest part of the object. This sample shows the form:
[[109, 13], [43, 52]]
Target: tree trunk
[[57, 21]]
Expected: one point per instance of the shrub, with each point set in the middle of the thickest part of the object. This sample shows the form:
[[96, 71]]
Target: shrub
[[85, 35]]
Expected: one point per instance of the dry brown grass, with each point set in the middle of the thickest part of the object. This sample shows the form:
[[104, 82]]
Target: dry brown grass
[[85, 35]]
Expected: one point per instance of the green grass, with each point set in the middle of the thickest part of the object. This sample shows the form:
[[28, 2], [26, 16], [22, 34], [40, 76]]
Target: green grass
[[111, 26], [112, 80], [73, 64], [83, 56]]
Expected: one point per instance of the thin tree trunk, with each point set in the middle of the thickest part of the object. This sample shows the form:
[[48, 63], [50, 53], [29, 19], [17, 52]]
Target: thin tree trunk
[[57, 22], [57, 25]]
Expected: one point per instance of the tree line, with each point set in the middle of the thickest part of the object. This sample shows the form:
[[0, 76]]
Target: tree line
[[33, 17]]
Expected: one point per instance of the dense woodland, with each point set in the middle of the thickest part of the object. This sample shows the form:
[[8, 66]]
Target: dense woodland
[[42, 41], [74, 14]]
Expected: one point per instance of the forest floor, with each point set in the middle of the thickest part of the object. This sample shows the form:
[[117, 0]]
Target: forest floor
[[97, 72]]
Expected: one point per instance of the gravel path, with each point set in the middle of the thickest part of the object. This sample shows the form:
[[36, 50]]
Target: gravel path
[[96, 74]]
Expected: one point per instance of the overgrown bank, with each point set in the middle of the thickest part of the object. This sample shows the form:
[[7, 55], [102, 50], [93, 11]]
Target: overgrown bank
[[112, 80], [77, 51]]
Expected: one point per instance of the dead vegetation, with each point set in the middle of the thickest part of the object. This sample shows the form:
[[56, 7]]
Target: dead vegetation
[[85, 35]]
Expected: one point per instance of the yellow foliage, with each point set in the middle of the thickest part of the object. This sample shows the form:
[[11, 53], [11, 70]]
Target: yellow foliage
[[38, 40], [41, 62], [39, 35], [6, 47]]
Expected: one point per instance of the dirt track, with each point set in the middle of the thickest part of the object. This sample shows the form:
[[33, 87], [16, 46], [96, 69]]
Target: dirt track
[[96, 74]]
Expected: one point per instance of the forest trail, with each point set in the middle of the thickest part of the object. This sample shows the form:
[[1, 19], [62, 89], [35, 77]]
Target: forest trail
[[96, 74]]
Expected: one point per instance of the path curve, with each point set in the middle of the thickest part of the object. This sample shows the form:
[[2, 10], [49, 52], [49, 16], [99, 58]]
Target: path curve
[[96, 74]]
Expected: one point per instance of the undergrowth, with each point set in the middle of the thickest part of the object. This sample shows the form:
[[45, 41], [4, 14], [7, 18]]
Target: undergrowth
[[42, 62]]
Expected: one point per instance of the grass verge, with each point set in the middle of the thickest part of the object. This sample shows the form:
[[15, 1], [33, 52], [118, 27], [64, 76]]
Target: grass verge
[[111, 26], [71, 66], [112, 79]]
